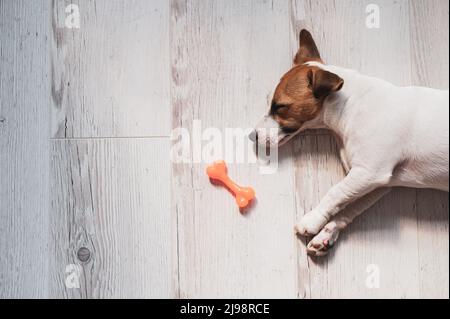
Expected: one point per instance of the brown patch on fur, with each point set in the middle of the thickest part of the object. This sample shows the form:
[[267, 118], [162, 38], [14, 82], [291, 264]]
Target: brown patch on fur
[[299, 96]]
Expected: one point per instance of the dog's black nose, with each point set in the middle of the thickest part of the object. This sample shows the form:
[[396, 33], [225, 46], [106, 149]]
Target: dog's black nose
[[253, 136]]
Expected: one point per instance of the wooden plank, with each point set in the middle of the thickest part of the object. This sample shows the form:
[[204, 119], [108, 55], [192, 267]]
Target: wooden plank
[[430, 49], [386, 229], [112, 197], [226, 58], [110, 77], [317, 168], [432, 212], [24, 115], [430, 43]]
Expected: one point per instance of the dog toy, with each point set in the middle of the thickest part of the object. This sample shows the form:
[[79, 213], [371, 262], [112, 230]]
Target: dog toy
[[218, 171]]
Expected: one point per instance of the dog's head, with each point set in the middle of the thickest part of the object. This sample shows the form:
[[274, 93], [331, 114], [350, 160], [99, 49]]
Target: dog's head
[[299, 96]]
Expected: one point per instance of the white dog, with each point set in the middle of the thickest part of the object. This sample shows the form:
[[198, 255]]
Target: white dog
[[388, 136]]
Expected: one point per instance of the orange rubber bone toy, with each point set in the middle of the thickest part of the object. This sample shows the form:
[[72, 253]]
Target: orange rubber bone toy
[[218, 171]]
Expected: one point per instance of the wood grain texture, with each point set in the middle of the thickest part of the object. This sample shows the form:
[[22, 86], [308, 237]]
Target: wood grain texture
[[430, 65], [386, 235], [24, 124], [225, 60], [429, 38], [136, 225], [112, 197], [111, 76]]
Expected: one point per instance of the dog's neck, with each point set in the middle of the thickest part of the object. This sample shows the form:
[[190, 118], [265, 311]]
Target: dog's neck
[[339, 107]]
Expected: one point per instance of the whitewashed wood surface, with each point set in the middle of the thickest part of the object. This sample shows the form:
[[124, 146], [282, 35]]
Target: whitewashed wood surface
[[344, 40], [85, 119], [112, 197], [24, 146], [110, 77], [223, 253]]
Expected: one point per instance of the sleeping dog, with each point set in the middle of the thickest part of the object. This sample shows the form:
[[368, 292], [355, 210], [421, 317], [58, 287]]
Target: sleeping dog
[[387, 136]]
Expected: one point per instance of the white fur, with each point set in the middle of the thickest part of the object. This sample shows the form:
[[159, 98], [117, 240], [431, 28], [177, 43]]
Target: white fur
[[390, 136], [400, 135]]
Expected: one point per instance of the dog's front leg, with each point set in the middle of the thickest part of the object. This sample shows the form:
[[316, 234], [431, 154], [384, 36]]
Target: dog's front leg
[[358, 182], [326, 238]]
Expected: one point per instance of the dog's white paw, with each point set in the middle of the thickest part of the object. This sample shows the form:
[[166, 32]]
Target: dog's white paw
[[310, 224], [323, 241]]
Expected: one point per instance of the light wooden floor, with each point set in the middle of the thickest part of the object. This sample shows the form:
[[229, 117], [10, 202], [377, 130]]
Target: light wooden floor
[[85, 120]]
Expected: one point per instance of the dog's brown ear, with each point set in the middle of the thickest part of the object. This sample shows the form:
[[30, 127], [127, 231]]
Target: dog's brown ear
[[323, 83], [308, 50]]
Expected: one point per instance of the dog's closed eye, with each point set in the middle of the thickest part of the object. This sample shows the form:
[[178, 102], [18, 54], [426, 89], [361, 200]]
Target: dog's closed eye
[[277, 107]]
